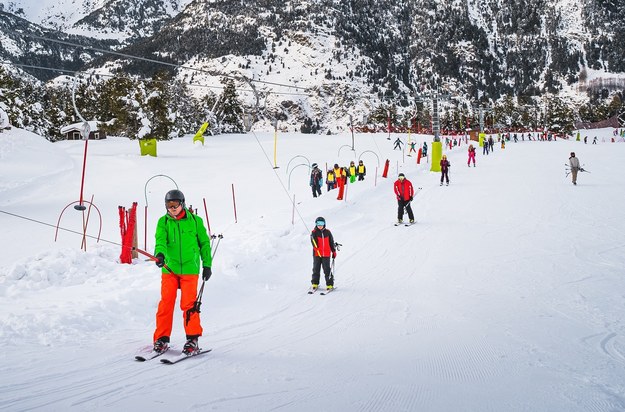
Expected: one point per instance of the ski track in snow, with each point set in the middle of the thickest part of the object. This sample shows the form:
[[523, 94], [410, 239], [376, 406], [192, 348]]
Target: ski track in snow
[[505, 295]]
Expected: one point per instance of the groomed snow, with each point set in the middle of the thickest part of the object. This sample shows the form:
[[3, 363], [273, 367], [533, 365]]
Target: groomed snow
[[507, 295]]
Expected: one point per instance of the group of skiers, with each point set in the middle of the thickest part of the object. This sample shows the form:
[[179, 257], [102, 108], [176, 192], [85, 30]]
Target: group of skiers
[[182, 243], [336, 177]]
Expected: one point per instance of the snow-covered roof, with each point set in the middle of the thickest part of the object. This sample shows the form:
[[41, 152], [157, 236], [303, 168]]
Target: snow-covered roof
[[93, 126]]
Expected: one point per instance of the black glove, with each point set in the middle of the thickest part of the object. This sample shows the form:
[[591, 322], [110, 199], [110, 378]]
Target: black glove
[[206, 273], [410, 200], [160, 260]]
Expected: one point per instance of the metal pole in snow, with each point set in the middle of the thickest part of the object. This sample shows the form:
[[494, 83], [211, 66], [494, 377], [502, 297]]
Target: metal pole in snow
[[234, 203], [207, 221]]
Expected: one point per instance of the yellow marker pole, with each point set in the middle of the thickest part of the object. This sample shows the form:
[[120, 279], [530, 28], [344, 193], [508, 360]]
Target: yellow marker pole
[[275, 144], [481, 138], [437, 155], [199, 136]]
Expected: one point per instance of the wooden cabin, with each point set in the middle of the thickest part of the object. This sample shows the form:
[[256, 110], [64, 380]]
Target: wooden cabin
[[73, 131]]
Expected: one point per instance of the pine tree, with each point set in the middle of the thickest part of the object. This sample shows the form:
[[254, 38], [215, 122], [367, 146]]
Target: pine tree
[[157, 108], [119, 106], [229, 110], [185, 109], [7, 95], [57, 106], [558, 116]]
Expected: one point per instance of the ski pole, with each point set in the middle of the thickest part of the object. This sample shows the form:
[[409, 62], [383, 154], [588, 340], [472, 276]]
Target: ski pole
[[198, 300]]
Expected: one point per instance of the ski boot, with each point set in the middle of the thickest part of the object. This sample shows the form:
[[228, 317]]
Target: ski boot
[[191, 347], [161, 345]]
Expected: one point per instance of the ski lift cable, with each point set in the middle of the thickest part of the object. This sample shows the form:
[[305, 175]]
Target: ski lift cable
[[129, 56], [143, 79]]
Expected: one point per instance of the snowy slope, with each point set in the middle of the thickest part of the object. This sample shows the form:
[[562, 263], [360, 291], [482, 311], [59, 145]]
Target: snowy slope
[[506, 295]]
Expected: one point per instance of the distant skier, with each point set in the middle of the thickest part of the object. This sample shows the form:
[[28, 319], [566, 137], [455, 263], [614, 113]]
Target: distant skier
[[594, 140], [362, 171], [424, 153], [471, 155], [412, 148], [341, 180], [316, 180], [404, 193], [352, 172], [575, 167], [398, 144], [323, 248], [445, 165], [181, 240], [330, 179]]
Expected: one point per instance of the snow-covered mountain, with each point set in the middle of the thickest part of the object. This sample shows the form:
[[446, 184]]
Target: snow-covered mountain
[[329, 59], [110, 19]]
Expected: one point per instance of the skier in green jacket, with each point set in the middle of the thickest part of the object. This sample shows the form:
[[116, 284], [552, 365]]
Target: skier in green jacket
[[181, 240]]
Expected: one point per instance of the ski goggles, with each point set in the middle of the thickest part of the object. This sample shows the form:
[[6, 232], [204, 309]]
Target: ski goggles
[[320, 223], [173, 205]]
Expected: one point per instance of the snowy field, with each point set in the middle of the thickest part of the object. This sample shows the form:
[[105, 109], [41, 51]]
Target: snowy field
[[507, 295]]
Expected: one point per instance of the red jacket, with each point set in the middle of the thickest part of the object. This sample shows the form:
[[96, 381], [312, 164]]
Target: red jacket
[[323, 242], [403, 189]]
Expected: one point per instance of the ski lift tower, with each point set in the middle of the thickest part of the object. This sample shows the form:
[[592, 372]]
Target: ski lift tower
[[437, 145], [482, 135]]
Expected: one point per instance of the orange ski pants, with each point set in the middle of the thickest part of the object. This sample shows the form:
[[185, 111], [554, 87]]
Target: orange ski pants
[[165, 313]]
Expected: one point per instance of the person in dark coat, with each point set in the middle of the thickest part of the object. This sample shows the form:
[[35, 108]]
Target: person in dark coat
[[316, 180]]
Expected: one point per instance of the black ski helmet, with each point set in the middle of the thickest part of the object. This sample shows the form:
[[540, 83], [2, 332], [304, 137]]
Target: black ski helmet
[[320, 219], [175, 195]]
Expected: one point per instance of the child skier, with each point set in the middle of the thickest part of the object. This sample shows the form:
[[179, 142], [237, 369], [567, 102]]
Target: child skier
[[331, 179], [362, 171], [323, 248], [471, 155], [352, 172], [445, 165]]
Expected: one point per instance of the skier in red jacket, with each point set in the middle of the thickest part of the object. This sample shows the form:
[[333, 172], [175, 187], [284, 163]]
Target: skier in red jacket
[[323, 248], [404, 193]]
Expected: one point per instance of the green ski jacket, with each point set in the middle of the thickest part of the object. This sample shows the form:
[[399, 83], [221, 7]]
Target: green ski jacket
[[183, 242]]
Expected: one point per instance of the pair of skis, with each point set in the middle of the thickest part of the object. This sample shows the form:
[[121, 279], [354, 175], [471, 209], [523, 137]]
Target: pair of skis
[[406, 209], [405, 224], [171, 360], [312, 291]]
